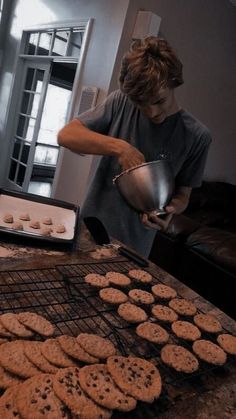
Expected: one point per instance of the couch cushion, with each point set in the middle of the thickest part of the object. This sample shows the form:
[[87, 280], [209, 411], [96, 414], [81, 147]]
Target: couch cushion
[[218, 245], [181, 227]]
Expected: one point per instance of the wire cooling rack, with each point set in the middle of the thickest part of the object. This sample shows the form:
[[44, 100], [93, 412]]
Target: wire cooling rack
[[61, 295]]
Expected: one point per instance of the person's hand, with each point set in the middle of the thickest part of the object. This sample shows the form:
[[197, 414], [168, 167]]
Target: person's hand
[[129, 156], [157, 222], [177, 205]]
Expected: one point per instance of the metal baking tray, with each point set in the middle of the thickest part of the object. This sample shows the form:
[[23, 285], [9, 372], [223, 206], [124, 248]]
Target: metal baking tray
[[38, 207]]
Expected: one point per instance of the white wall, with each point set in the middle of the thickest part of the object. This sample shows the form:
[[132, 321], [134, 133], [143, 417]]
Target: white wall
[[204, 34]]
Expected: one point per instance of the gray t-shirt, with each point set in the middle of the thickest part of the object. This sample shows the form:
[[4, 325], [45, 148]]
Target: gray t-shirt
[[181, 137]]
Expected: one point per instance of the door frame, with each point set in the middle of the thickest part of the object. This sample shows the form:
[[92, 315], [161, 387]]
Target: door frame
[[14, 104]]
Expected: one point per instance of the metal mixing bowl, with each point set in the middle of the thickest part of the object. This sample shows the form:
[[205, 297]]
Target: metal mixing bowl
[[147, 187]]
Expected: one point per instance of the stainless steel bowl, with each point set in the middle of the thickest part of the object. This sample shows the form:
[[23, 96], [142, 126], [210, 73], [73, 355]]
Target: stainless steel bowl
[[147, 187]]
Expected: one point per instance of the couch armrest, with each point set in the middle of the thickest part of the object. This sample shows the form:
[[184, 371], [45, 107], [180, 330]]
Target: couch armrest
[[215, 244]]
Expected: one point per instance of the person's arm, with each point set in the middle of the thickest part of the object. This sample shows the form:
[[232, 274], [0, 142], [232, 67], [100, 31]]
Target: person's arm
[[81, 140], [177, 205]]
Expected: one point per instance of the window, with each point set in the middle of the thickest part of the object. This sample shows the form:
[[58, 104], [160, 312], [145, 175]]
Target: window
[[61, 42]]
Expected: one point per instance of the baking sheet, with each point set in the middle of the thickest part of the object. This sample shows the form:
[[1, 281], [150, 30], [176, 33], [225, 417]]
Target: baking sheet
[[37, 211]]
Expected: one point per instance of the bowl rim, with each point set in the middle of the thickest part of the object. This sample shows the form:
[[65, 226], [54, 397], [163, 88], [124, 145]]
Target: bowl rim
[[137, 167]]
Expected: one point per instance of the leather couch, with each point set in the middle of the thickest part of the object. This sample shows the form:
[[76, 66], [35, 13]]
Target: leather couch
[[199, 247]]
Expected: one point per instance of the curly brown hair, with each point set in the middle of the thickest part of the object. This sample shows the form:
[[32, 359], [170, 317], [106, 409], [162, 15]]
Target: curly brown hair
[[149, 65]]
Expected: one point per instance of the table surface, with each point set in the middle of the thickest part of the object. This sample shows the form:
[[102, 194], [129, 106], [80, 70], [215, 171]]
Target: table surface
[[217, 398]]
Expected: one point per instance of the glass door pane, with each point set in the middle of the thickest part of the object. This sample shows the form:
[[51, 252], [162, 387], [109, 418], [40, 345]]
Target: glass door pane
[[26, 122], [54, 116]]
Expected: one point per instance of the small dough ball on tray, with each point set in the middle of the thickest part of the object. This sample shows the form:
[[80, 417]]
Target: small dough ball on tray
[[46, 231], [60, 228], [47, 221], [8, 218], [34, 224], [17, 225], [24, 216]]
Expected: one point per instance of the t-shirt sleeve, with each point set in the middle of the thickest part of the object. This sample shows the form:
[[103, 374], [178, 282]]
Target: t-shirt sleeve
[[100, 117], [192, 171]]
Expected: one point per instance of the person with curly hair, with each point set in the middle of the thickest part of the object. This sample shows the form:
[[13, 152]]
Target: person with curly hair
[[140, 122]]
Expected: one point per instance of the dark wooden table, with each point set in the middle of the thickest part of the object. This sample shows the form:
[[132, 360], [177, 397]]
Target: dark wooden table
[[215, 397]]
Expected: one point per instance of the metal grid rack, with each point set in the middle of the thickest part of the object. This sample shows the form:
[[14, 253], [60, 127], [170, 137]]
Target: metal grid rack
[[61, 295]]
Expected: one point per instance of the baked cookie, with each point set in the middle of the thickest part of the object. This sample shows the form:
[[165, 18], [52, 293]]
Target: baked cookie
[[10, 322], [34, 224], [117, 278], [3, 340], [8, 218], [140, 275], [4, 333], [113, 296], [32, 350], [163, 291], [96, 346], [209, 352], [207, 323], [8, 407], [67, 388], [13, 359], [131, 313], [135, 376], [152, 332], [52, 351], [141, 297], [97, 280], [36, 323], [227, 342], [185, 330], [164, 313], [179, 358], [71, 347], [24, 216], [97, 382], [183, 306], [36, 399], [7, 379]]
